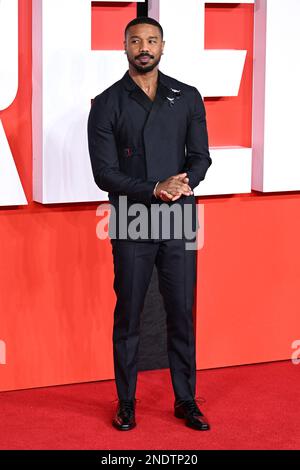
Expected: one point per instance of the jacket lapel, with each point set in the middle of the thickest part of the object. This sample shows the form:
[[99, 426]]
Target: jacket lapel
[[137, 94], [159, 104]]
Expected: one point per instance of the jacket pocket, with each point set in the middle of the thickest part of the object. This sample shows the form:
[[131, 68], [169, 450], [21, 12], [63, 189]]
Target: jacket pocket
[[132, 161]]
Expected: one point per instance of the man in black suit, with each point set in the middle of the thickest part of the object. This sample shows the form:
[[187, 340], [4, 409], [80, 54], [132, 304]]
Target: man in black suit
[[148, 146]]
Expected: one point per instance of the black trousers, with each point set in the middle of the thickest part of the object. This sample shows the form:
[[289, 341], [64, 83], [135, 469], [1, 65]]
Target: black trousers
[[176, 267]]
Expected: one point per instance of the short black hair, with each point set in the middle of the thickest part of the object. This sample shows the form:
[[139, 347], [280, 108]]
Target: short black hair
[[143, 20]]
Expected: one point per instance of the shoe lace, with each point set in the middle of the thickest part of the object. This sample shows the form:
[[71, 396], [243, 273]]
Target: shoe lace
[[127, 406], [192, 405]]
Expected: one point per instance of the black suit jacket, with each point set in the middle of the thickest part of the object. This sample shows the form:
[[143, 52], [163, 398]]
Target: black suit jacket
[[134, 142]]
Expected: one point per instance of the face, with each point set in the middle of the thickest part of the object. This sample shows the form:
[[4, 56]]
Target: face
[[144, 47]]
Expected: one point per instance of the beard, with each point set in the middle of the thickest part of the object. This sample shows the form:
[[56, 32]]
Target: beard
[[143, 68]]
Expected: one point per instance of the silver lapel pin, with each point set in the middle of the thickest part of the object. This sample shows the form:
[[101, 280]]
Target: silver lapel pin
[[171, 101]]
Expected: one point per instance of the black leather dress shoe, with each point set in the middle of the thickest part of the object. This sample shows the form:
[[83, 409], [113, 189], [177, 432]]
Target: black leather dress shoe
[[124, 419], [188, 410]]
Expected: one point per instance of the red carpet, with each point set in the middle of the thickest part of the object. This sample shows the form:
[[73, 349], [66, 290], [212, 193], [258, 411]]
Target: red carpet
[[249, 407]]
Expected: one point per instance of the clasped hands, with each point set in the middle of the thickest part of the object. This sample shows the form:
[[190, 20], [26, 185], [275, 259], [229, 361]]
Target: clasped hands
[[174, 187]]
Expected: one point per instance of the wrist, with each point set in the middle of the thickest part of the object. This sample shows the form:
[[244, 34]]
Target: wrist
[[155, 188]]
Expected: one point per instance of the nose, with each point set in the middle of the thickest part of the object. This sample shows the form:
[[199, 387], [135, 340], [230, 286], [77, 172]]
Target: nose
[[144, 47]]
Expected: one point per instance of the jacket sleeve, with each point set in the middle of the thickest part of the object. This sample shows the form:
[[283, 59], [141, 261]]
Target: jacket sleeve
[[197, 151], [104, 157]]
